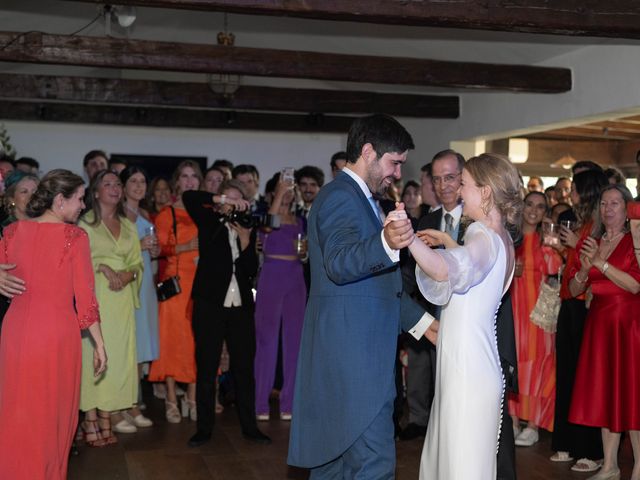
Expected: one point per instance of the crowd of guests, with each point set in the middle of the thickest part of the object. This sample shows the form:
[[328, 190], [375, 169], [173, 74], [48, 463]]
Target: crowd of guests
[[237, 261], [576, 374]]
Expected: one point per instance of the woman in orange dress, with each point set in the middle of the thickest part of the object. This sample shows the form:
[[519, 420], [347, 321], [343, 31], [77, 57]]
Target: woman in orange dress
[[535, 399], [40, 350], [177, 349]]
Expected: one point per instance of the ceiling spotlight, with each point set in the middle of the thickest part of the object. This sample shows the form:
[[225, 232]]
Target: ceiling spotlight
[[124, 15]]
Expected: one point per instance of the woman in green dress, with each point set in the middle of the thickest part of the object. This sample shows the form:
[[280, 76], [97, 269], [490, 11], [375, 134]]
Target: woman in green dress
[[117, 264]]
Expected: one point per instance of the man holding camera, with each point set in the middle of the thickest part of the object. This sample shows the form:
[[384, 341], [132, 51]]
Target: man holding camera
[[223, 304]]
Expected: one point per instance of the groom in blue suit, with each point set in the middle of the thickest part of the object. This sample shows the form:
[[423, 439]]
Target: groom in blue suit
[[342, 413]]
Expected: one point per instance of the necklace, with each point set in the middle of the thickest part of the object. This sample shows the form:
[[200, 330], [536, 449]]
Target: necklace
[[135, 211], [605, 237]]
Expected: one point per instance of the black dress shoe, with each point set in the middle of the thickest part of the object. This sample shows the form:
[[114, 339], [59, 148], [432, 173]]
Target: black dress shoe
[[412, 431], [200, 438], [257, 436]]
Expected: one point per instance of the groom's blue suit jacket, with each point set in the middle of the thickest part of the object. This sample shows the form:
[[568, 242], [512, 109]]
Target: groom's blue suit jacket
[[345, 370]]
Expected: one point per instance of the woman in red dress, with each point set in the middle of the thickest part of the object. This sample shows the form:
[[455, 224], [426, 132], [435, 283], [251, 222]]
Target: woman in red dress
[[535, 399], [40, 352], [607, 386]]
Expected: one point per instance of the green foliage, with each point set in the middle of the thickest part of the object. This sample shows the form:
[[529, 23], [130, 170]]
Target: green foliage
[[5, 143]]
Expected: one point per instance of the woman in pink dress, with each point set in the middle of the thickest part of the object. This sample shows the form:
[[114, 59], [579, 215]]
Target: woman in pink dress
[[40, 352]]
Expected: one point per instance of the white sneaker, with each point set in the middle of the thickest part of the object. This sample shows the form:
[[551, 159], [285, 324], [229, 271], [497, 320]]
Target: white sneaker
[[139, 420], [262, 417], [124, 427], [527, 437], [285, 416]]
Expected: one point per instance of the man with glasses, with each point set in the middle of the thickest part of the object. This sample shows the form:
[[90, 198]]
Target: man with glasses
[[446, 170]]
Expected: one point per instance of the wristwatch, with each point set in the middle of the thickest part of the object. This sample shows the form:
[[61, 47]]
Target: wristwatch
[[605, 266]]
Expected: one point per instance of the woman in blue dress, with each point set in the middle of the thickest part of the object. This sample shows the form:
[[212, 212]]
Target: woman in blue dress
[[134, 181]]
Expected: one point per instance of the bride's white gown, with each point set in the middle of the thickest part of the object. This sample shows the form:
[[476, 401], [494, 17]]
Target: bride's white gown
[[462, 437]]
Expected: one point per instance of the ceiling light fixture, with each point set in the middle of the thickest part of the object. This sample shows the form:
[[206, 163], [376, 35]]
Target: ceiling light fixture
[[225, 84], [124, 15]]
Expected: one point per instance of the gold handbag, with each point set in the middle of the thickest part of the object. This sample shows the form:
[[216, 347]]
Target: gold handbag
[[545, 312]]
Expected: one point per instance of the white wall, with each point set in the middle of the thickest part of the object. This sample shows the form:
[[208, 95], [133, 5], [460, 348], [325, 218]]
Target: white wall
[[59, 145]]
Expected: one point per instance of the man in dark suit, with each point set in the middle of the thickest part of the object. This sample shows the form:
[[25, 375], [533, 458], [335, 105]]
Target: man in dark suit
[[342, 414], [223, 305], [446, 170]]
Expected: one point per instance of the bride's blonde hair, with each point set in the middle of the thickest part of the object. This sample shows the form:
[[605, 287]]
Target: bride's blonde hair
[[498, 173]]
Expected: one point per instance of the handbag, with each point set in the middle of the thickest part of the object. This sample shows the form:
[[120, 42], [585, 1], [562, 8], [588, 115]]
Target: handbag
[[545, 312], [170, 287]]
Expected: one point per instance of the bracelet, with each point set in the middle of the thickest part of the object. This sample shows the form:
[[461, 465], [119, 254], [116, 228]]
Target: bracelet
[[605, 266], [577, 279]]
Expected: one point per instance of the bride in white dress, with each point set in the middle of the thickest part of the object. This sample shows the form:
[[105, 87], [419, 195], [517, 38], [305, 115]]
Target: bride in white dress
[[464, 425]]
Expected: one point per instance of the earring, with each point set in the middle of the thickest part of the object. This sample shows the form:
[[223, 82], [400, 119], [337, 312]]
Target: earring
[[13, 204], [485, 206]]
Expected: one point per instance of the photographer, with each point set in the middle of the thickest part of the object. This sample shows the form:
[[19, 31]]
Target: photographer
[[223, 303]]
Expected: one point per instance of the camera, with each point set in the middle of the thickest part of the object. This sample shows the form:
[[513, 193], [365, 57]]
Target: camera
[[244, 219], [253, 219]]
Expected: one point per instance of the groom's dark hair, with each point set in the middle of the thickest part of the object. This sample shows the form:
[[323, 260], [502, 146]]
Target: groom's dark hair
[[383, 132]]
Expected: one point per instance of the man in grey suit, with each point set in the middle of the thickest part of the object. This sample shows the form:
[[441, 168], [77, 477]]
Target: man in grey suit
[[342, 413], [446, 170]]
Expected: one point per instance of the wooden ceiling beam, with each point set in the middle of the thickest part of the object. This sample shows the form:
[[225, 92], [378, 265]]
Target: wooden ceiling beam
[[199, 95], [172, 117], [614, 18], [35, 47]]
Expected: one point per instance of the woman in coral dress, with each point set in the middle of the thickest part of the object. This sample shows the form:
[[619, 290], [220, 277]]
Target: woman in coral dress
[[40, 352], [607, 386], [535, 399], [176, 362]]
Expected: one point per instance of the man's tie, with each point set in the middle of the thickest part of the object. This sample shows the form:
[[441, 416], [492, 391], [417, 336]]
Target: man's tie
[[448, 224], [376, 210]]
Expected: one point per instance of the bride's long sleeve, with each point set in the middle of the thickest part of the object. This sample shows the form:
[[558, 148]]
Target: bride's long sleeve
[[465, 266]]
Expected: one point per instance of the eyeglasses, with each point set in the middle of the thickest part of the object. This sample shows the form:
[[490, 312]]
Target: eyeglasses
[[447, 179]]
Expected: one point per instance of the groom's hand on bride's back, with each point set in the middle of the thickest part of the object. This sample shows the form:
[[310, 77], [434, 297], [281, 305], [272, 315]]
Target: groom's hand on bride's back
[[398, 231]]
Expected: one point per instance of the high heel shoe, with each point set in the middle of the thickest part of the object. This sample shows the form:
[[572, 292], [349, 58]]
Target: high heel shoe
[[91, 433], [189, 409], [104, 422], [172, 413]]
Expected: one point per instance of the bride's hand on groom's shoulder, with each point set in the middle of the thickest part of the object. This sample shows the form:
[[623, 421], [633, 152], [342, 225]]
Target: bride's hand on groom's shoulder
[[432, 332]]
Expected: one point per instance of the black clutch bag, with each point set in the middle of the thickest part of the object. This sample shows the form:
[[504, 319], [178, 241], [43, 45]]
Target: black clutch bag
[[171, 286], [168, 288]]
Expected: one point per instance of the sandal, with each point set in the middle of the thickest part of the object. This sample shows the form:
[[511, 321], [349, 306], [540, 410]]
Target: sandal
[[104, 418], [91, 433], [561, 457], [172, 413], [586, 465]]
